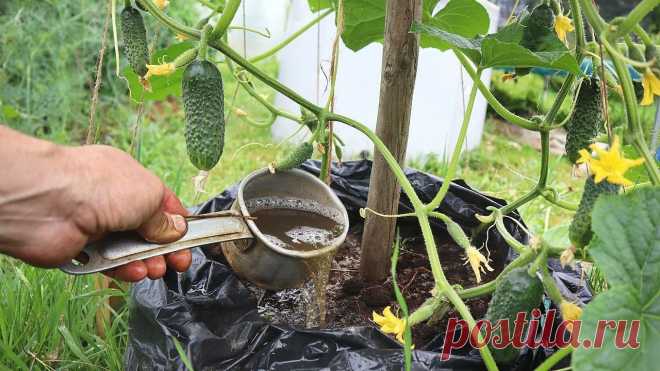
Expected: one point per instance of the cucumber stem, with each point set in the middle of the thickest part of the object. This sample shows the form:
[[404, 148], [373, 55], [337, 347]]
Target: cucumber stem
[[290, 38], [550, 287], [231, 7], [458, 148], [203, 43]]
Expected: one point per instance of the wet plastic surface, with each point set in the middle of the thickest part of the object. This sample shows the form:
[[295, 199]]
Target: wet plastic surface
[[213, 315]]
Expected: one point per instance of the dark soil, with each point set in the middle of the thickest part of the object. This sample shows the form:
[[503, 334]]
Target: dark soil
[[350, 301]]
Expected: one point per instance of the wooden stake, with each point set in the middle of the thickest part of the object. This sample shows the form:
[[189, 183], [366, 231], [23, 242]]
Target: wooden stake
[[398, 71]]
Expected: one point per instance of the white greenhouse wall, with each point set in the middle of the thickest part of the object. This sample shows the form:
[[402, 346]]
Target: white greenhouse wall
[[441, 89]]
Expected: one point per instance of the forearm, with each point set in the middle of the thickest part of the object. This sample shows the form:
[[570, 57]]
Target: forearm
[[33, 187], [54, 199]]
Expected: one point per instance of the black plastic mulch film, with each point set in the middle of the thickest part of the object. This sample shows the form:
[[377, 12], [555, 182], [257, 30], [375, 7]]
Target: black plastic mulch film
[[214, 315]]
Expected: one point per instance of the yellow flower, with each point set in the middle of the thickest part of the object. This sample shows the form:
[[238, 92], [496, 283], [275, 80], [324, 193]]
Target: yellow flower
[[181, 37], [610, 165], [390, 324], [651, 84], [563, 25], [570, 312], [162, 4], [159, 69], [475, 258]]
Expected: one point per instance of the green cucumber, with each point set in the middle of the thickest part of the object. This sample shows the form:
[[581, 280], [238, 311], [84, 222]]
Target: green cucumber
[[203, 102], [516, 292], [586, 120], [579, 232], [538, 25], [134, 35], [296, 157]]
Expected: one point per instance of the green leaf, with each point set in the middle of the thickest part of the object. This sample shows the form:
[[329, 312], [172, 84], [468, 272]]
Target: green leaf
[[470, 47], [627, 249], [317, 5], [504, 50], [9, 112], [501, 49], [161, 86], [465, 18], [364, 21]]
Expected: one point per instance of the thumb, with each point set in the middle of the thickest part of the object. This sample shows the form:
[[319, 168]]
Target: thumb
[[163, 227]]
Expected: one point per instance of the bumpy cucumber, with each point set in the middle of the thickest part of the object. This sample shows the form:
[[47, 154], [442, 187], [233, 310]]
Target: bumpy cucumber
[[579, 231], [135, 40], [538, 24], [517, 292], [586, 119], [203, 101], [296, 157]]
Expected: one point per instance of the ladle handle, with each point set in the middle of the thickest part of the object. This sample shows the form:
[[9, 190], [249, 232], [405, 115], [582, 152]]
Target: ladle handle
[[120, 248]]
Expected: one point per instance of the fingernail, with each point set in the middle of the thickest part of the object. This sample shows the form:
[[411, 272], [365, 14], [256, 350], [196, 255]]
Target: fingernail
[[179, 223]]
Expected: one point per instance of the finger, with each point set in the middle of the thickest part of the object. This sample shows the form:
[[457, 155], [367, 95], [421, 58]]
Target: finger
[[131, 272], [155, 267], [179, 260], [163, 227], [172, 204]]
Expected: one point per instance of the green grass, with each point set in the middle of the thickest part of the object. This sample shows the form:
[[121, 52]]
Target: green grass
[[48, 321]]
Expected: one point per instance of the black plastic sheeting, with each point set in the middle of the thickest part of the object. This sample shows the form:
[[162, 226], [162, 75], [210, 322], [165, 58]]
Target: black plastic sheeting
[[213, 315]]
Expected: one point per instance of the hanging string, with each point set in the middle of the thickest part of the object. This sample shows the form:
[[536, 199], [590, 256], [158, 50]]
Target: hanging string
[[318, 54], [91, 132], [244, 30], [462, 81]]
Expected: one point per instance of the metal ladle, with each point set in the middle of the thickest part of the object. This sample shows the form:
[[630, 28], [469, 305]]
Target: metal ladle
[[250, 254]]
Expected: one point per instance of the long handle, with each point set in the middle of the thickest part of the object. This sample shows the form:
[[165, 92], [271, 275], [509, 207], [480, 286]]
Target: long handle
[[120, 248]]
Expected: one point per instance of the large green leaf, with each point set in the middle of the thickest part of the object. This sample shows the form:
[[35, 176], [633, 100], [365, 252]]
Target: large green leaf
[[161, 86], [364, 21], [466, 18], [627, 249]]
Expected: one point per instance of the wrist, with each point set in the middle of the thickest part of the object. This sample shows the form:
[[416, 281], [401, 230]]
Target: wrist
[[76, 167]]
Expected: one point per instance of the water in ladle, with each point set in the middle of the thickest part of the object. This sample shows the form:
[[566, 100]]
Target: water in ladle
[[302, 225]]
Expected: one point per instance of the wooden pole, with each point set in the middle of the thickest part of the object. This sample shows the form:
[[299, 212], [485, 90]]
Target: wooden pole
[[399, 68]]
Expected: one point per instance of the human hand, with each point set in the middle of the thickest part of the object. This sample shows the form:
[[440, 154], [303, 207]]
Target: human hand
[[56, 199]]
